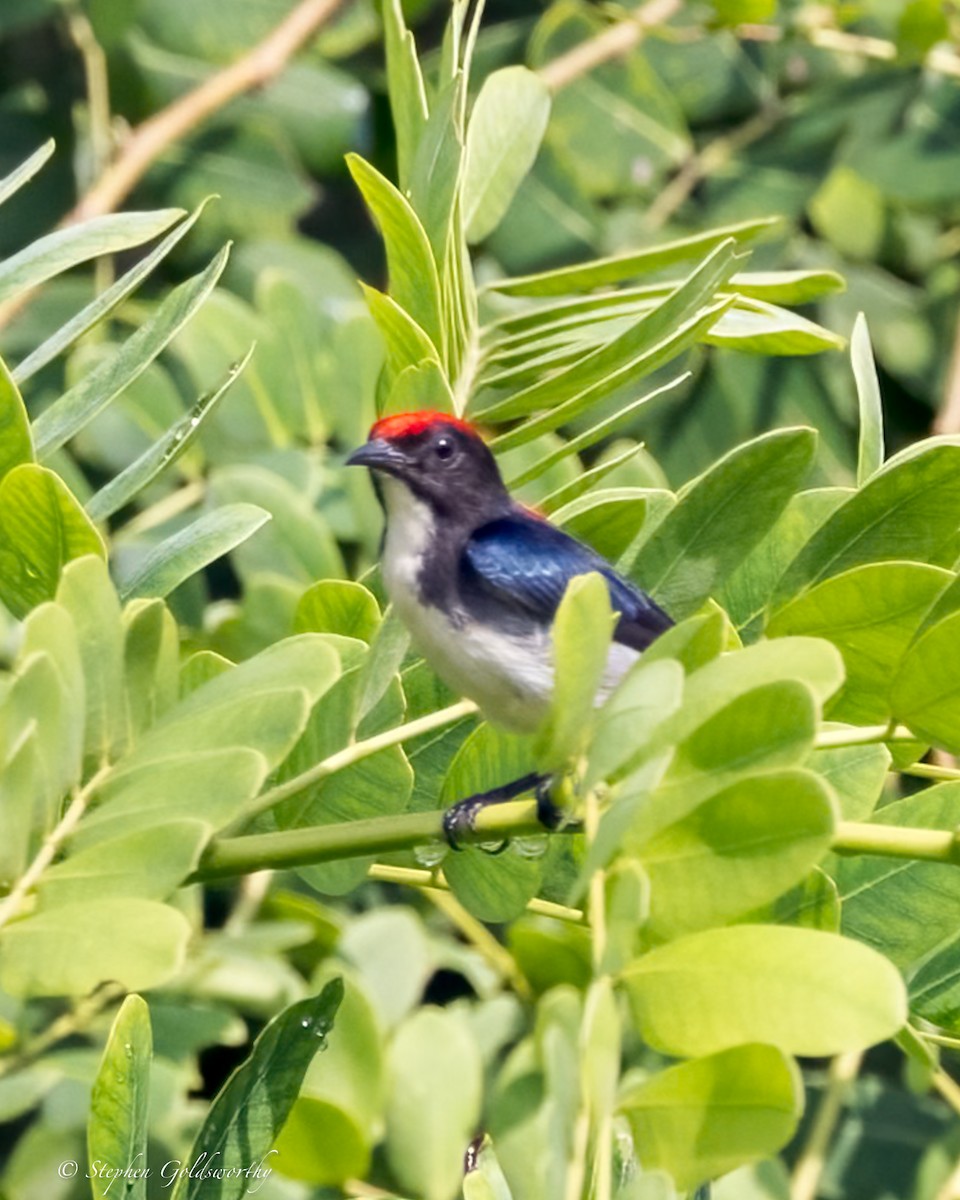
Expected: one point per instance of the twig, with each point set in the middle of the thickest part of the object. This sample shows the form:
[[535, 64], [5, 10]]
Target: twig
[[424, 880], [809, 1168], [10, 905], [482, 940], [75, 1020], [614, 42], [353, 754], [149, 140], [711, 158]]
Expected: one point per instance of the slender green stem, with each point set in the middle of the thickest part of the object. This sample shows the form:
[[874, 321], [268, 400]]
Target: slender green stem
[[805, 1181], [894, 841], [864, 735], [931, 771], [421, 878], [352, 754], [353, 839], [226, 856]]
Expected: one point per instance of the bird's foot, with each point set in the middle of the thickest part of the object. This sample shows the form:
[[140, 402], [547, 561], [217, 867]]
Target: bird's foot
[[459, 821]]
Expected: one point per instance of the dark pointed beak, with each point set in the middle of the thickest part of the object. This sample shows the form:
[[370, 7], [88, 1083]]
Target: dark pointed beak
[[378, 455]]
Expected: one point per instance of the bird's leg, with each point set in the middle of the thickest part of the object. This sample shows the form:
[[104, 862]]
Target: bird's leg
[[460, 818]]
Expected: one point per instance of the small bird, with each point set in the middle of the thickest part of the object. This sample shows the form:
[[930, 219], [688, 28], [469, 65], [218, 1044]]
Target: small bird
[[477, 579]]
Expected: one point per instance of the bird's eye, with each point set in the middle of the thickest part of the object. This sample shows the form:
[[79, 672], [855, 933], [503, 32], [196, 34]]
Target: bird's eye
[[444, 448]]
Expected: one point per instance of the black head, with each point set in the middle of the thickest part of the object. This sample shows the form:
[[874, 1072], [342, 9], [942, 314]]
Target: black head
[[442, 460]]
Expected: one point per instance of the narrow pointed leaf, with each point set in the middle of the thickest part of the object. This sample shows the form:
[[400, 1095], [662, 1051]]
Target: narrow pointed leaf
[[117, 1127], [164, 452], [16, 444], [66, 248], [500, 147], [247, 1115], [870, 452], [25, 172], [414, 281], [189, 551], [77, 407], [585, 277], [104, 303]]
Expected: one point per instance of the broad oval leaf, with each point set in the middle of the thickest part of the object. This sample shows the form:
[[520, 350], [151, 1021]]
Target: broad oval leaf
[[433, 1104], [70, 951], [871, 614], [720, 517], [802, 990], [739, 849], [704, 1118], [909, 510], [42, 527], [926, 691]]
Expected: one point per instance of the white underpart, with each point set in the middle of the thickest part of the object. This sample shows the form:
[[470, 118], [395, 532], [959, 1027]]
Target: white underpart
[[510, 677]]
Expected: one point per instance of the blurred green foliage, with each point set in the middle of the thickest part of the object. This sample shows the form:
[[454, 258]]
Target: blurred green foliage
[[184, 415]]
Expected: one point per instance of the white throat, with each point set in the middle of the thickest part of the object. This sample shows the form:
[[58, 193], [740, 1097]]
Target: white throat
[[410, 530]]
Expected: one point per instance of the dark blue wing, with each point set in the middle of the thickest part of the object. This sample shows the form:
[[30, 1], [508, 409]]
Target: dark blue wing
[[520, 565]]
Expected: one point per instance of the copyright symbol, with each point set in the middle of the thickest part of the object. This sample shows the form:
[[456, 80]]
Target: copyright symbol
[[68, 1169]]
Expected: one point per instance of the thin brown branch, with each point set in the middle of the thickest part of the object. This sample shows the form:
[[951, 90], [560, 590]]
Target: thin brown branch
[[705, 162], [612, 43], [149, 140]]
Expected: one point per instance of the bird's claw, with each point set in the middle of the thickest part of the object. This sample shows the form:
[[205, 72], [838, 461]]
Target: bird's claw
[[459, 820]]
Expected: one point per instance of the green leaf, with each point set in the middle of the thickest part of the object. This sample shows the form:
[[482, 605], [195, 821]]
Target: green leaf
[[408, 99], [649, 692], [801, 990], [435, 180], [88, 595], [582, 630], [103, 303], [910, 509], [263, 703], [66, 248], [16, 444], [904, 909], [185, 553], [209, 786], [871, 614], [117, 1126], [596, 373], [406, 342], [338, 606], [26, 170], [501, 148], [720, 517], [433, 1103], [621, 267], [494, 888], [740, 849], [703, 1118], [248, 1113], [42, 527], [329, 1134], [870, 453], [857, 775], [420, 386], [926, 691], [151, 661], [150, 863], [755, 327], [70, 951], [414, 282], [486, 1181], [78, 406], [164, 451]]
